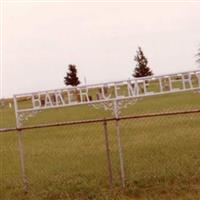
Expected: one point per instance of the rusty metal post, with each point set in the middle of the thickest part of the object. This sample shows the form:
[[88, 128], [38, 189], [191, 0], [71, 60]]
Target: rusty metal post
[[22, 163], [110, 174]]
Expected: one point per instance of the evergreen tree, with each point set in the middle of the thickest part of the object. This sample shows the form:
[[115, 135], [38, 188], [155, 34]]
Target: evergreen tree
[[141, 68], [71, 78]]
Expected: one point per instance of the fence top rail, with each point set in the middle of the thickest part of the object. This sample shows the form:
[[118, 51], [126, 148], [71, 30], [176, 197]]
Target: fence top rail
[[141, 116]]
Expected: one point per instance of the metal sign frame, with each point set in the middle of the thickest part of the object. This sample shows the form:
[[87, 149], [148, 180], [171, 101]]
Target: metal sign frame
[[135, 88]]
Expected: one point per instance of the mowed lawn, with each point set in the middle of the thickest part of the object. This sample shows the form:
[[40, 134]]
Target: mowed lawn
[[161, 154]]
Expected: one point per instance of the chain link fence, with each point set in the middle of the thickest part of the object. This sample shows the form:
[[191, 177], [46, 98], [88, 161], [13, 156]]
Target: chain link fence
[[86, 156], [161, 149]]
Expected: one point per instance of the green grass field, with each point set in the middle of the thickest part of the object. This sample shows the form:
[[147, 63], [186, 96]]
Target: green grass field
[[161, 154]]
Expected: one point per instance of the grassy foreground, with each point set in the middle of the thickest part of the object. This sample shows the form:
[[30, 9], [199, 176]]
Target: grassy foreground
[[161, 154]]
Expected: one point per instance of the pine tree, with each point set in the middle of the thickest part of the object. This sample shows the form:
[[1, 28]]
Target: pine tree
[[141, 68], [71, 78]]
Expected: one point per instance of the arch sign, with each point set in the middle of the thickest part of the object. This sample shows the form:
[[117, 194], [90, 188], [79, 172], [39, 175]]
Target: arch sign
[[106, 92]]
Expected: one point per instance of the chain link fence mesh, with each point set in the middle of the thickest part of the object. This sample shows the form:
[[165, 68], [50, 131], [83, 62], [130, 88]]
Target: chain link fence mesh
[[10, 177], [161, 150], [73, 158]]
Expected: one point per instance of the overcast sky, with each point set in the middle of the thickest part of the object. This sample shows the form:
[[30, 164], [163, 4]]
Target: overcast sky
[[41, 39]]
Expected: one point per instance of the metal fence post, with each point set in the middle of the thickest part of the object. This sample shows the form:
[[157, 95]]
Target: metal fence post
[[108, 154], [20, 146], [121, 158], [22, 164]]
